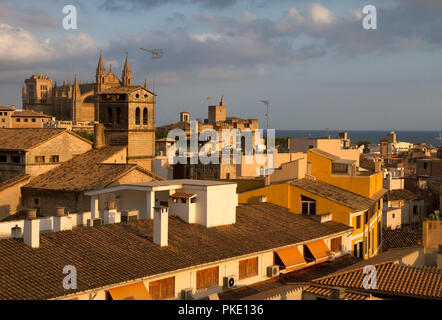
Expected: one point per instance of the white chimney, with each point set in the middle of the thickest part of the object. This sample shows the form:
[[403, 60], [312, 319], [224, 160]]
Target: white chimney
[[31, 232], [61, 222], [262, 199], [16, 232], [161, 226]]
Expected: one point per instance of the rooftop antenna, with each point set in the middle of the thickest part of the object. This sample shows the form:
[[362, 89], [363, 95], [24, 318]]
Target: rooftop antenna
[[156, 54]]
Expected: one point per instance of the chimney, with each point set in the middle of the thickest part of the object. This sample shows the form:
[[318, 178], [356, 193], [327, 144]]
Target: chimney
[[16, 232], [161, 226], [61, 222], [110, 214], [267, 179], [262, 199], [99, 140], [377, 165], [31, 232], [337, 293]]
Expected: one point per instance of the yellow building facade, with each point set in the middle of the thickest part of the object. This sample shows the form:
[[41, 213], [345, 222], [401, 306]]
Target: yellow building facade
[[332, 185]]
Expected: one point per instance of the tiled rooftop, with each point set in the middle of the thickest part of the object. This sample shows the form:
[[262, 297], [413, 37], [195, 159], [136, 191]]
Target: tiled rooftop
[[85, 172], [338, 195], [392, 279], [24, 139], [116, 253]]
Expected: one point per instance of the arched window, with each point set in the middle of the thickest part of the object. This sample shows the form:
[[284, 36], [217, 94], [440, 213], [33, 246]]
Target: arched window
[[145, 116], [118, 115], [109, 115], [137, 116]]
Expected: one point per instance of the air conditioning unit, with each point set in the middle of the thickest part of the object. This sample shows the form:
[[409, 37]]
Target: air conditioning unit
[[187, 294], [229, 282], [272, 271]]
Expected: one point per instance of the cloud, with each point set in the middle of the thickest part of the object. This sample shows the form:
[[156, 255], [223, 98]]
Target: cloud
[[28, 17], [113, 5]]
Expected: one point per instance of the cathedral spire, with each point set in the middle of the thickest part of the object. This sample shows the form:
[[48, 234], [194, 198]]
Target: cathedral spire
[[76, 86], [127, 73], [100, 67], [222, 101]]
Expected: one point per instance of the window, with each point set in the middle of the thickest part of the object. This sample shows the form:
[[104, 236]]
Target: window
[[379, 204], [339, 168], [425, 166], [369, 233], [3, 158], [248, 268], [118, 115], [33, 120], [54, 159], [308, 205], [193, 200], [414, 209], [393, 215], [162, 289], [207, 278], [358, 222], [183, 200], [145, 116], [36, 201], [26, 120], [18, 119], [109, 115], [39, 159], [365, 217], [335, 244], [15, 159], [137, 116]]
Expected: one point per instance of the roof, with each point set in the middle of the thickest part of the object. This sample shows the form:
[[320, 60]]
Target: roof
[[123, 90], [29, 113], [391, 255], [327, 292], [7, 182], [116, 253], [25, 139], [401, 194], [338, 195], [392, 279], [182, 195], [399, 238], [85, 172], [324, 154], [5, 108]]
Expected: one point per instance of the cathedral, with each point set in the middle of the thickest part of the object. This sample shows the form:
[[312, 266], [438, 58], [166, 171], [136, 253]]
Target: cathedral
[[72, 101]]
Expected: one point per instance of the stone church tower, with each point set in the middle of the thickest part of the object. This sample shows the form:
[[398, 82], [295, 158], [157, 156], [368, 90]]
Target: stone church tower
[[127, 118]]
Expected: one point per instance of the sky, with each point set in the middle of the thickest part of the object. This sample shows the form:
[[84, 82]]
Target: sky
[[313, 61]]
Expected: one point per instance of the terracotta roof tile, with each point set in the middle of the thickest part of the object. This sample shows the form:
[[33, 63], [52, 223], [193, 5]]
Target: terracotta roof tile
[[84, 172], [24, 139], [341, 196], [392, 279], [115, 253], [400, 238]]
